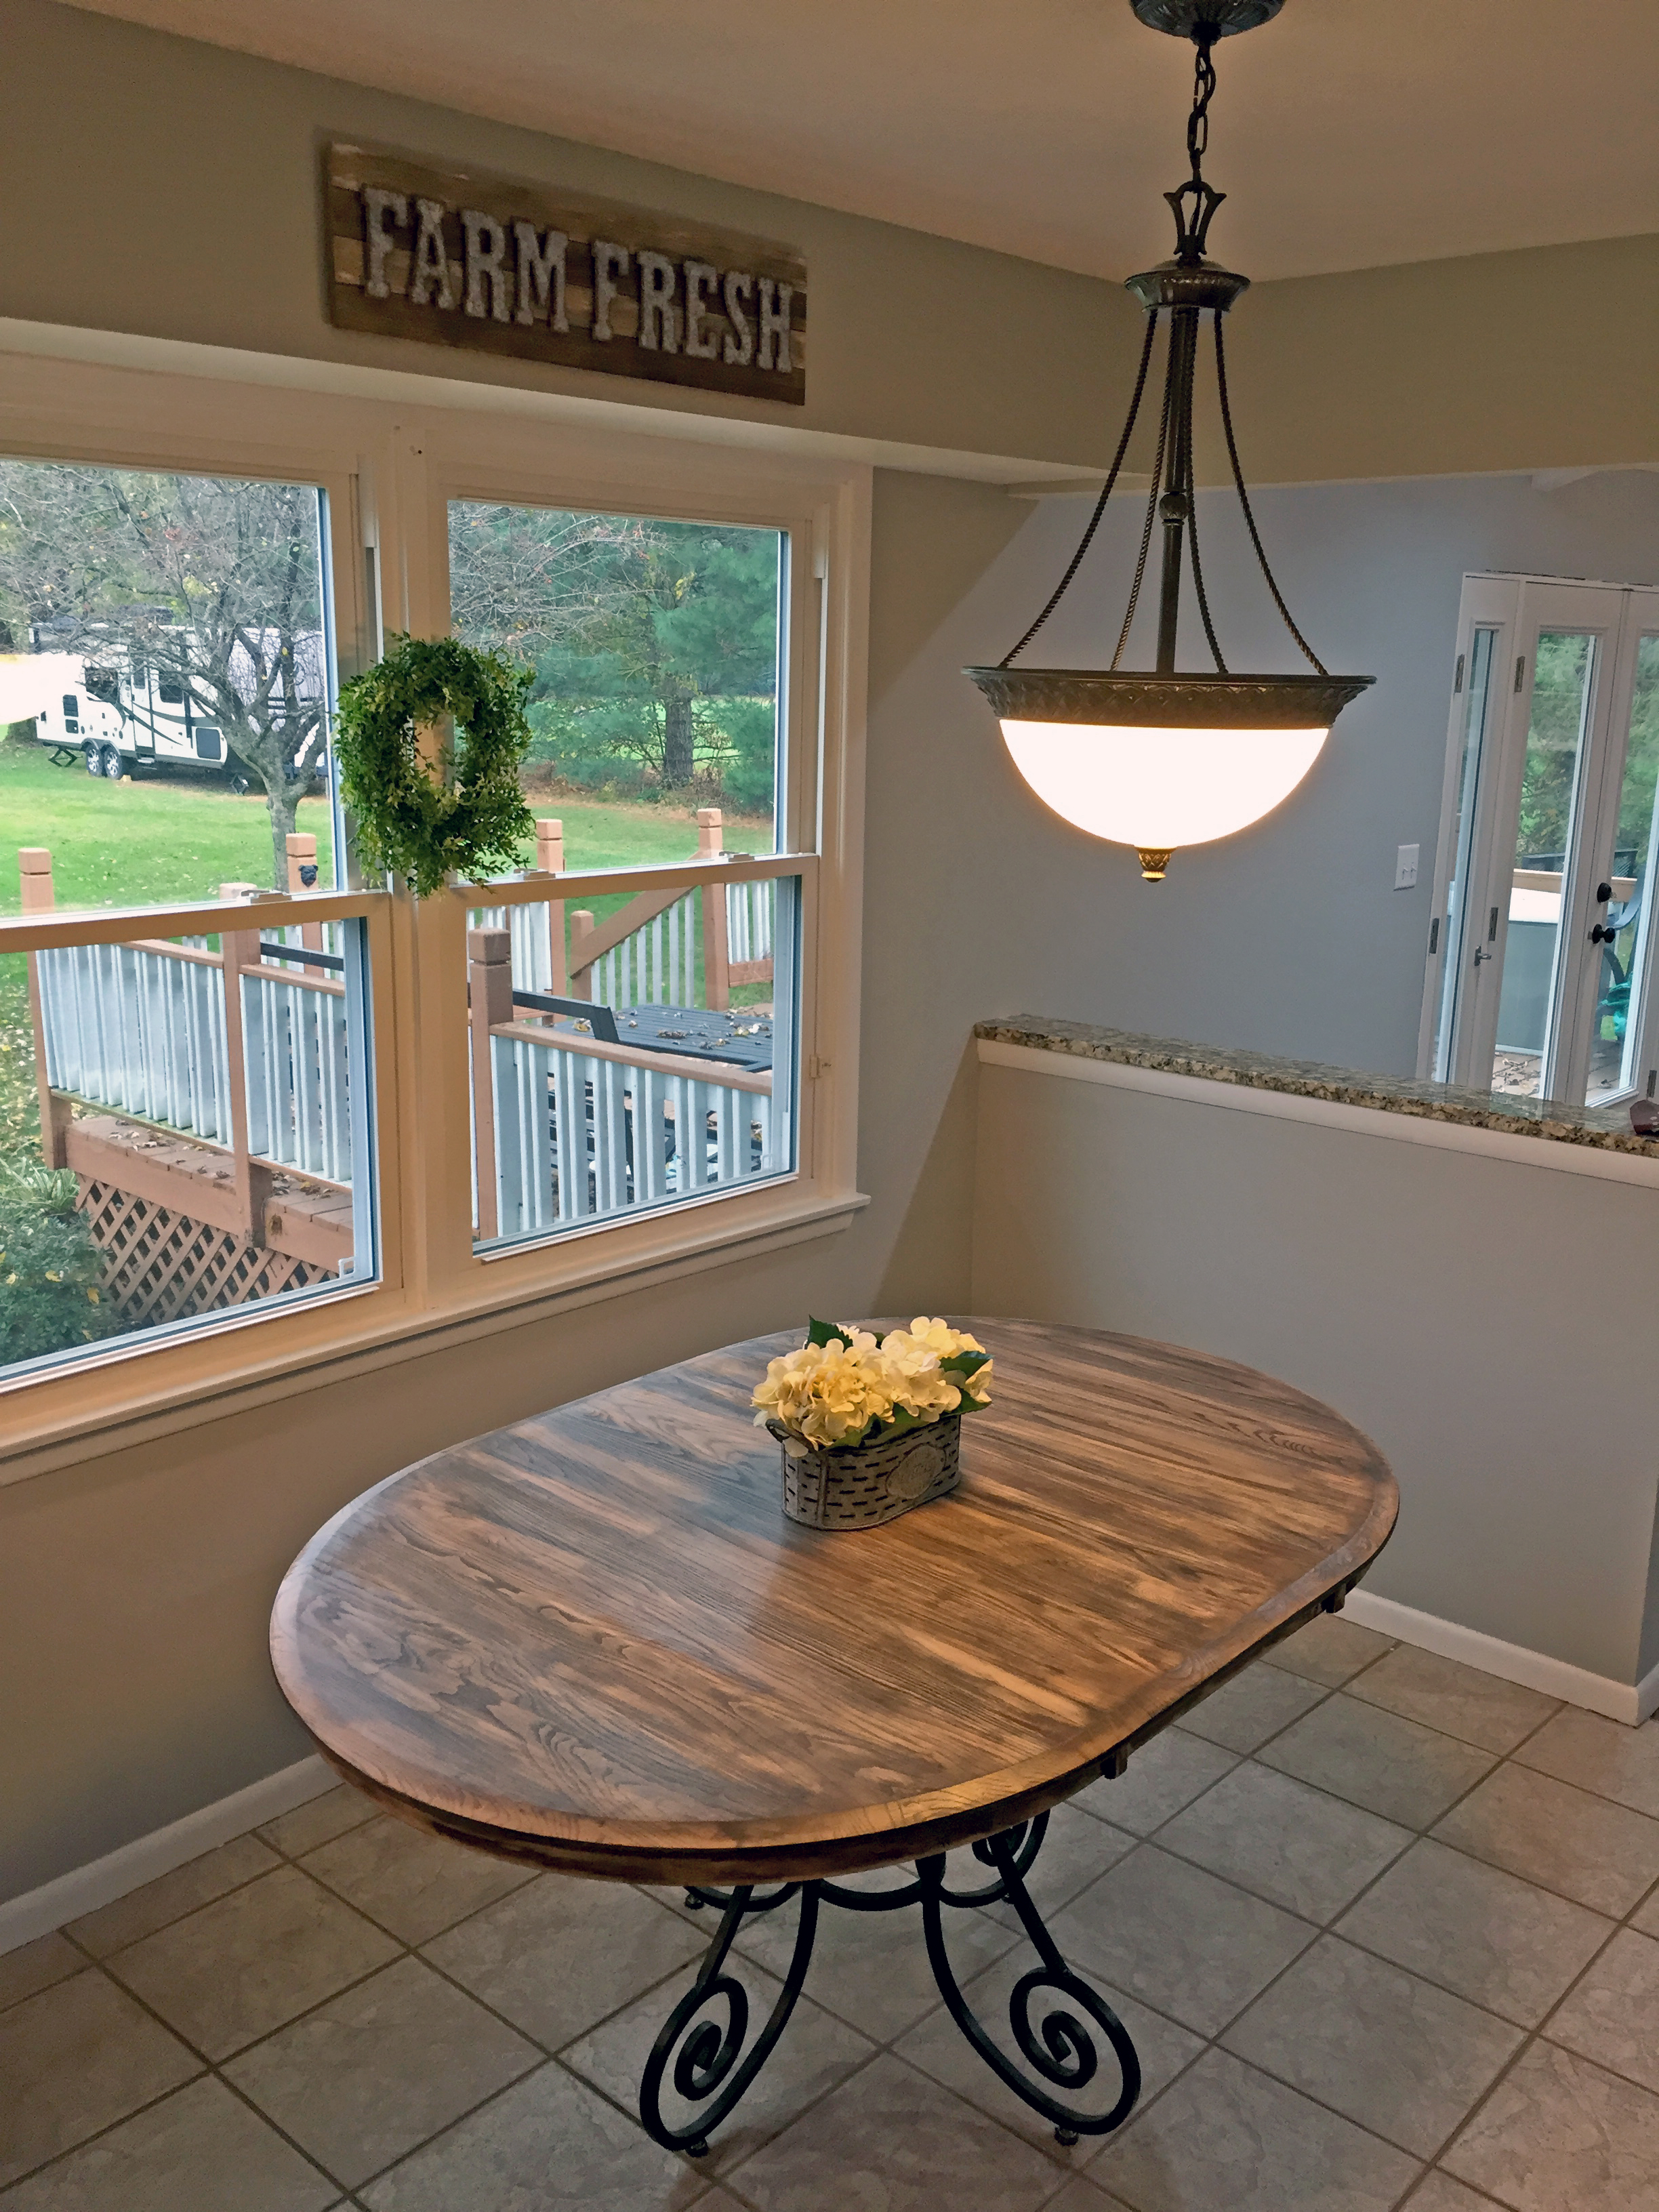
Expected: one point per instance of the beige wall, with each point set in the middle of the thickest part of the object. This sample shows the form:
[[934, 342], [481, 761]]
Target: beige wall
[[1430, 1294], [164, 188]]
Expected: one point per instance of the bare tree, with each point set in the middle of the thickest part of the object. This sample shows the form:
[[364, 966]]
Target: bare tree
[[214, 582]]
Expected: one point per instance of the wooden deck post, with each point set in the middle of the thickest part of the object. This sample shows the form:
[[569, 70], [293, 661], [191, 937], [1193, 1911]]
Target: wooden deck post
[[550, 856], [583, 927], [34, 868], [490, 1001], [716, 956], [302, 854], [239, 949]]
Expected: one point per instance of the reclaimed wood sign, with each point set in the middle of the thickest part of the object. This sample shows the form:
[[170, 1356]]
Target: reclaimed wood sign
[[453, 258]]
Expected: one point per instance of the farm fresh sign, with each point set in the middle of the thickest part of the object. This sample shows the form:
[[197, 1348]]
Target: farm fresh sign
[[507, 268]]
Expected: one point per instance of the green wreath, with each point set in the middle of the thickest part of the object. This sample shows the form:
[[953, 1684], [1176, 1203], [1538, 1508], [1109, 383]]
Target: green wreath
[[465, 816]]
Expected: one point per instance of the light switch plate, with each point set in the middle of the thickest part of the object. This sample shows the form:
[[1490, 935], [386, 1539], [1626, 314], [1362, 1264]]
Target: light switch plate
[[1404, 868]]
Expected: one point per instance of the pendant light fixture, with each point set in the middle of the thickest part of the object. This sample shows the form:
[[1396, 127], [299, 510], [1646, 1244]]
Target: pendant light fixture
[[1159, 760]]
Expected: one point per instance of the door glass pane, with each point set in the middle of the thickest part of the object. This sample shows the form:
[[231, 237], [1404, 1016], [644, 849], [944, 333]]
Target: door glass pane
[[1562, 685], [1477, 693], [1614, 1040]]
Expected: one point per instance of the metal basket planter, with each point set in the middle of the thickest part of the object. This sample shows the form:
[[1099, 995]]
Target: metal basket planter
[[863, 1486]]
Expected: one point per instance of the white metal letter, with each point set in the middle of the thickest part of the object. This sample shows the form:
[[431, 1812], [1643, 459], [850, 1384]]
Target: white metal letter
[[659, 319], [486, 242], [700, 279], [775, 351], [378, 241], [540, 276], [737, 290], [431, 258], [610, 262]]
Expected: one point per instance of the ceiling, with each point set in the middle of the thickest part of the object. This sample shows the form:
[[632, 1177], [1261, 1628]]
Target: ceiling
[[1350, 133]]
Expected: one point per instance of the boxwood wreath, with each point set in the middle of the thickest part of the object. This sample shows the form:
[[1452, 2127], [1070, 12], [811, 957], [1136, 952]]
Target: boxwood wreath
[[423, 820]]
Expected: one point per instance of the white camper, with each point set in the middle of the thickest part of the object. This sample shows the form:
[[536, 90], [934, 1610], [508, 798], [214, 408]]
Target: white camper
[[124, 716]]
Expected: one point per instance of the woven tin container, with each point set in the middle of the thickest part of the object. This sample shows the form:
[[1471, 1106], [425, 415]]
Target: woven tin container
[[868, 1484]]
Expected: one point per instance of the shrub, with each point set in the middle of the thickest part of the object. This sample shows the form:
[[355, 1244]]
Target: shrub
[[49, 1267]]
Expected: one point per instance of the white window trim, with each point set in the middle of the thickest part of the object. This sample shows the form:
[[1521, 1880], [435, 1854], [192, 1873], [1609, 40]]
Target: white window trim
[[389, 471]]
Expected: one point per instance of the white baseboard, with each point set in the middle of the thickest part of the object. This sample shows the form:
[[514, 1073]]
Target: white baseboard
[[39, 1910], [1512, 1663]]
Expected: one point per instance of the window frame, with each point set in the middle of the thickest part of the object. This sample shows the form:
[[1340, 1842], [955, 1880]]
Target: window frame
[[389, 471]]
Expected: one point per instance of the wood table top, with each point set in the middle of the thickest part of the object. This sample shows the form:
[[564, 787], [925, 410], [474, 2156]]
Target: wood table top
[[593, 1639]]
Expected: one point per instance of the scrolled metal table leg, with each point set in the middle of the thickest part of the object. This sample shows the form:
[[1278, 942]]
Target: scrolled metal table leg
[[711, 2063], [1062, 2053]]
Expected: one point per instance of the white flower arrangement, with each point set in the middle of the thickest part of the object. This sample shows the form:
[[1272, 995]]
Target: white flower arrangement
[[847, 1386]]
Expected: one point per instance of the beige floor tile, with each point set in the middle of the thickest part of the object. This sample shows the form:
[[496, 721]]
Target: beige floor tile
[[870, 1969], [1077, 1850], [1402, 2057], [1330, 1649], [1227, 2139], [1648, 1919], [1379, 1760], [1459, 1700], [1476, 1931], [73, 2058], [1296, 1846], [37, 1965], [1172, 1770], [414, 1885], [318, 1821], [143, 1911], [200, 2150], [892, 2141], [940, 2048], [1177, 1938], [1612, 2014], [1438, 2193], [557, 1957], [1082, 2194], [1558, 2134], [1243, 1713], [548, 2144], [1599, 1754], [252, 1961], [378, 2069], [1598, 1853], [815, 2051]]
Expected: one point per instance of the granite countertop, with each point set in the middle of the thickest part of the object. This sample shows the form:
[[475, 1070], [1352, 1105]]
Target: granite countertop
[[1605, 1129]]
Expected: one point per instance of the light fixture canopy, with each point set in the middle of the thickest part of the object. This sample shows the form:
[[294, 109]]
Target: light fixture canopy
[[1158, 759]]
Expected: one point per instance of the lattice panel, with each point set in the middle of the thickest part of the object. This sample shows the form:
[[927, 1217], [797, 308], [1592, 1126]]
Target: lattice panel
[[159, 1265]]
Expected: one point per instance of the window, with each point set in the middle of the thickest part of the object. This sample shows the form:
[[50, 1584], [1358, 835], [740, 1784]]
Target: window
[[396, 1119], [184, 1128], [635, 1047]]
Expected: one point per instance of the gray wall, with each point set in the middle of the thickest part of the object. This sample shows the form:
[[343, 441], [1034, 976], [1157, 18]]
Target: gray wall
[[1289, 938], [1439, 1300]]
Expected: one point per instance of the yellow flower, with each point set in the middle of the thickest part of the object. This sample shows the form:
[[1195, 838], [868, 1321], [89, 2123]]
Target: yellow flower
[[826, 1393]]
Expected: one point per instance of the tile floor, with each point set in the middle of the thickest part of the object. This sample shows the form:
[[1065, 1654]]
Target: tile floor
[[1385, 1930]]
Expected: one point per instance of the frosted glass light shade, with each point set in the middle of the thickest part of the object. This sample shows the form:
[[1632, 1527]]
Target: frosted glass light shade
[[1159, 789]]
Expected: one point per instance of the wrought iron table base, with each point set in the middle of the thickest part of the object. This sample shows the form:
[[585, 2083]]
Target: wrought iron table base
[[708, 2064]]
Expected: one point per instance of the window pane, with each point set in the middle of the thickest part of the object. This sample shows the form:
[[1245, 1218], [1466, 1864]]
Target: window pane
[[183, 1123], [170, 1148], [184, 618], [631, 1054], [654, 645]]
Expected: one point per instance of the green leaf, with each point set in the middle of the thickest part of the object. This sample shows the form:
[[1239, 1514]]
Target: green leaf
[[964, 1363], [823, 1332]]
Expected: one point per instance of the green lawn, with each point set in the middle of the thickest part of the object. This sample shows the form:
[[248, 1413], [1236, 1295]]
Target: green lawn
[[119, 844]]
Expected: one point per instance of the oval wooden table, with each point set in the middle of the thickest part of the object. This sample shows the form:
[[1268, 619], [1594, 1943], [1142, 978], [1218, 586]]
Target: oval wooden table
[[593, 1641]]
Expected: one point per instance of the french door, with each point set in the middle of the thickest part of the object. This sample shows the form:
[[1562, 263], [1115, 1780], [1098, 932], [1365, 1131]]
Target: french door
[[1541, 978]]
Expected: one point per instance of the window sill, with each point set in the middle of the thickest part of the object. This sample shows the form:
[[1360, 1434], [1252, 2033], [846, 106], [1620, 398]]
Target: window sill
[[595, 1276]]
